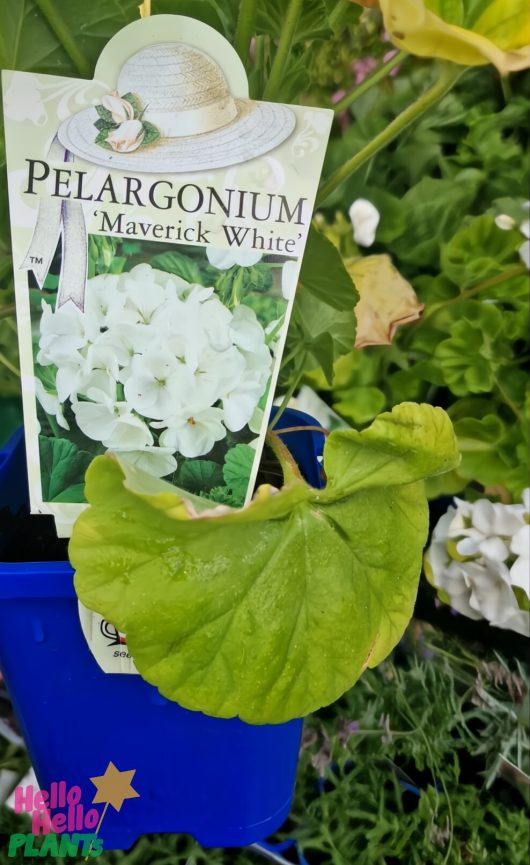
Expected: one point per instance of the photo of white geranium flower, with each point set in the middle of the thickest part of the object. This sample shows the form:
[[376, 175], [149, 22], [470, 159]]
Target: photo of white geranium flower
[[169, 364]]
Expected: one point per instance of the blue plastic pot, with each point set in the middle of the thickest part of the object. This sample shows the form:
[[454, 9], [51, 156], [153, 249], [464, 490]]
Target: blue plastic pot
[[225, 782]]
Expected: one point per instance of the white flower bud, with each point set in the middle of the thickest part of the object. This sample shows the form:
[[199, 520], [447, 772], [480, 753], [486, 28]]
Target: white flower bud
[[504, 222], [364, 218], [127, 137], [120, 109]]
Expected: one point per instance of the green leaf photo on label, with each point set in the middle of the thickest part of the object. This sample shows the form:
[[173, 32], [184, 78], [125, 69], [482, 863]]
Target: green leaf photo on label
[[237, 466], [63, 468]]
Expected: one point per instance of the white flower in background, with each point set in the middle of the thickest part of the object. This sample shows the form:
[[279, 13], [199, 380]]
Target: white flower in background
[[120, 109], [524, 253], [105, 302], [245, 330], [257, 365], [155, 460], [110, 422], [524, 249], [145, 299], [364, 217], [50, 403], [64, 331], [127, 137], [194, 433], [239, 405], [479, 559], [70, 372], [507, 223], [289, 273], [222, 259], [154, 367], [156, 379], [125, 340], [101, 357], [215, 319], [216, 371]]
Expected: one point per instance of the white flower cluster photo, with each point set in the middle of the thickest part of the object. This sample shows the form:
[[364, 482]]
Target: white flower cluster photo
[[155, 367]]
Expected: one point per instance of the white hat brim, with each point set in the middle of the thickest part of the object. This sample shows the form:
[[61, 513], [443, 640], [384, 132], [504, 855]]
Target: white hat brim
[[258, 129]]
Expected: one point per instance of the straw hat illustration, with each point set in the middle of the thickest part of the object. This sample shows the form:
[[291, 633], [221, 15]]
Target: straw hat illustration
[[172, 111]]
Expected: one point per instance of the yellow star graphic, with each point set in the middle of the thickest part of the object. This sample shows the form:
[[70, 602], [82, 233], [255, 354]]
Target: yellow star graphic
[[114, 787]]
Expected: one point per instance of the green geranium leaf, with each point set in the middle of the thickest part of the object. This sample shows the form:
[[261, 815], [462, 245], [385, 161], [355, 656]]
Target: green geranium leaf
[[392, 224], [274, 610], [180, 265], [323, 273], [28, 42], [200, 475], [74, 493], [431, 209], [63, 468], [360, 404], [312, 22], [236, 470], [405, 445], [479, 251], [222, 495], [470, 357], [221, 16], [318, 330], [479, 440]]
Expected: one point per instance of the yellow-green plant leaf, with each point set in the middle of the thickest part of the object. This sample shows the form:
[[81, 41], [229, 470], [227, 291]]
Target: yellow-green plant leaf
[[452, 31], [271, 611]]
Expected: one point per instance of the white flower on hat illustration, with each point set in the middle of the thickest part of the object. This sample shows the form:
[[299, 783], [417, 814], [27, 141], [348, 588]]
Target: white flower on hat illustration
[[120, 123]]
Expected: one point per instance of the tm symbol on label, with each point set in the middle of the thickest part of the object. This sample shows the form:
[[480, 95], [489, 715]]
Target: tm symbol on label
[[35, 259]]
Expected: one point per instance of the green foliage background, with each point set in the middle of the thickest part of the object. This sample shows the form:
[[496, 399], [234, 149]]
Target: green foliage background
[[442, 718]]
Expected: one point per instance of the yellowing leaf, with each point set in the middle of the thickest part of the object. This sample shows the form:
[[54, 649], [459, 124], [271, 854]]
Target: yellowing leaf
[[501, 35], [271, 611], [386, 300]]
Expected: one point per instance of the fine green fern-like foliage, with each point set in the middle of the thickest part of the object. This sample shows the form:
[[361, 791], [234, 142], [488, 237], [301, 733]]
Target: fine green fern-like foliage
[[423, 761]]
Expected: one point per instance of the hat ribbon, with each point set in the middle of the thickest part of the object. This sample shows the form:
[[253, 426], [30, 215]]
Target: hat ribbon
[[65, 219], [194, 121]]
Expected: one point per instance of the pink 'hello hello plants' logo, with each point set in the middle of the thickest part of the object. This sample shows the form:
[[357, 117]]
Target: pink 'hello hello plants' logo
[[61, 824]]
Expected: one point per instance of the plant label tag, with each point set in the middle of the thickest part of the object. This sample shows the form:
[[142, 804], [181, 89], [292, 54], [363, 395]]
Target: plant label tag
[[107, 644], [159, 217]]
